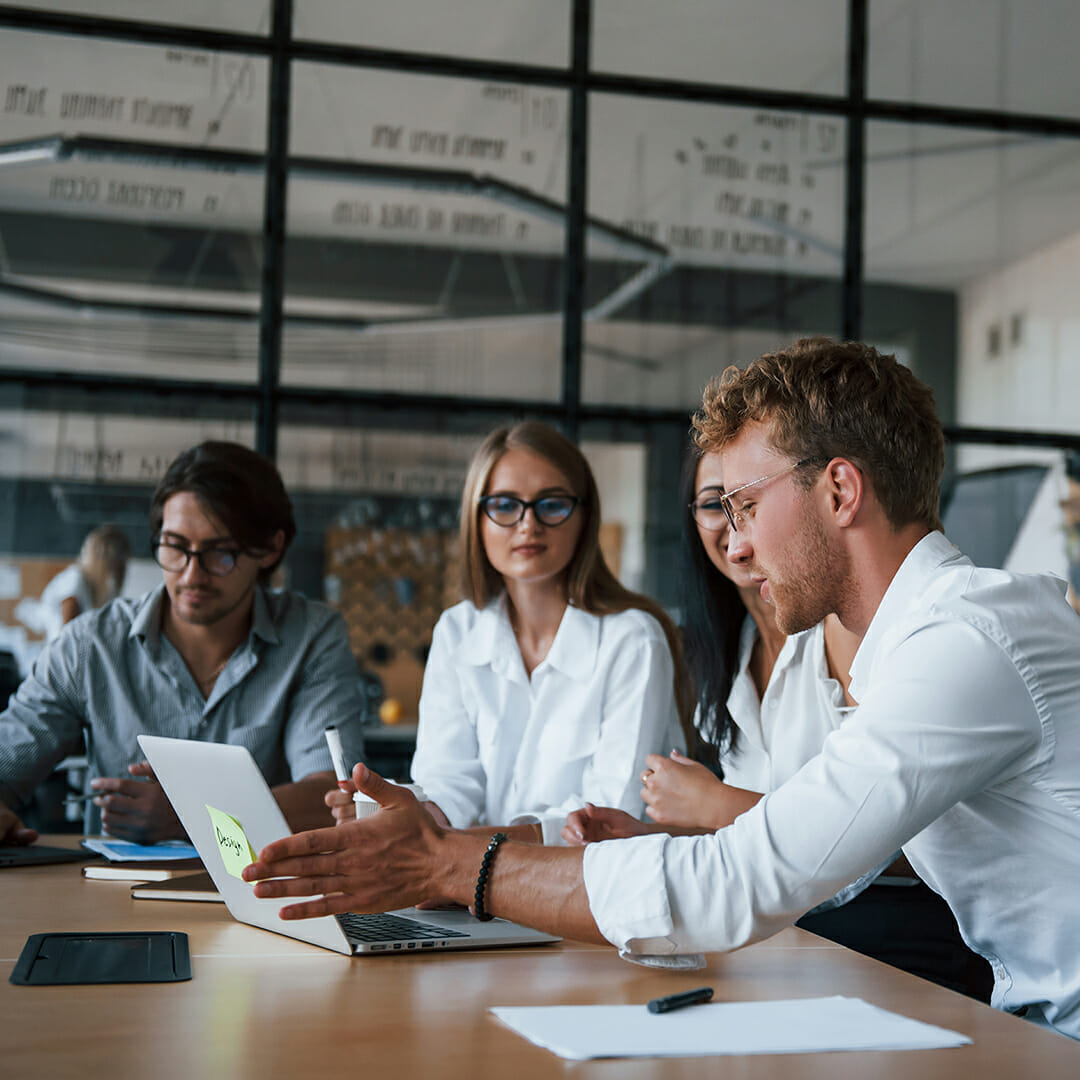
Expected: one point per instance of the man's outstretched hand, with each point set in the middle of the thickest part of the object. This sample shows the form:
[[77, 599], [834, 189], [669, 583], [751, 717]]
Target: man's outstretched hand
[[385, 861]]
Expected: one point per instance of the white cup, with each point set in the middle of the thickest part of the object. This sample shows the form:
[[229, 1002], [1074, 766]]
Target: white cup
[[366, 806]]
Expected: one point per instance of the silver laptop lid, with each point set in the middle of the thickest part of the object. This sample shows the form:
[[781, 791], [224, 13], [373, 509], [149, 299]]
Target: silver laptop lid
[[200, 777], [222, 800]]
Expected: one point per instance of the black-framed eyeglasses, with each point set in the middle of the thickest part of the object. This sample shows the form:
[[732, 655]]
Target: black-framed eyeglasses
[[716, 511], [173, 557], [550, 510]]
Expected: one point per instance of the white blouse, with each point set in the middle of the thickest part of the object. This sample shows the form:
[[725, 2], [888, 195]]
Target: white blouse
[[780, 732], [497, 747]]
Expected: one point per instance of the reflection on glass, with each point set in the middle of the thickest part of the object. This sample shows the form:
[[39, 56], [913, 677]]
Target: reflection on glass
[[426, 229], [241, 16], [947, 205], [990, 54], [522, 31], [57, 85], [123, 266], [767, 43], [742, 210], [120, 254]]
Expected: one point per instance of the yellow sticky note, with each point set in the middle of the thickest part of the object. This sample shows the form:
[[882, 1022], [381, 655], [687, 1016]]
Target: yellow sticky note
[[236, 852]]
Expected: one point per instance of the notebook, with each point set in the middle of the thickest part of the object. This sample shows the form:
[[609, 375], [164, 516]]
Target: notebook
[[142, 871], [229, 813], [198, 887]]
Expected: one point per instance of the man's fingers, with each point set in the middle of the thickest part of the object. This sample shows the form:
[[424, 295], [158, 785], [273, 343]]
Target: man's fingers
[[573, 832], [292, 849], [114, 785], [13, 831], [312, 885], [321, 867], [374, 786], [110, 799], [142, 768], [337, 904]]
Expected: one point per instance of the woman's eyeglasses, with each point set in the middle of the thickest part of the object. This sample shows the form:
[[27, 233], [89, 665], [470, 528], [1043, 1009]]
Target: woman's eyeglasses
[[550, 510]]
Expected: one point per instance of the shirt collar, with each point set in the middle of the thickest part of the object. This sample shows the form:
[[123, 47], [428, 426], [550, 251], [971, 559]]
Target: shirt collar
[[904, 592], [147, 621], [573, 652], [478, 646], [490, 640], [262, 621]]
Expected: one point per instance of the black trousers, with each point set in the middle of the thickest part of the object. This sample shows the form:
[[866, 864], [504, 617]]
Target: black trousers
[[910, 927]]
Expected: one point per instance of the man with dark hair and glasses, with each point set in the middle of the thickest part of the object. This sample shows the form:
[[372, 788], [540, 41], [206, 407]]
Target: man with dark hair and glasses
[[211, 654]]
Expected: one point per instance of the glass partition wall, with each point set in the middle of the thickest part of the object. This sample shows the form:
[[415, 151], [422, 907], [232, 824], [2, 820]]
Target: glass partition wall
[[358, 236]]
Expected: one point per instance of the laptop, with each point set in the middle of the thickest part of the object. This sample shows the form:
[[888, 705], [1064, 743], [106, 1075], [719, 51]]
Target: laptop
[[210, 783]]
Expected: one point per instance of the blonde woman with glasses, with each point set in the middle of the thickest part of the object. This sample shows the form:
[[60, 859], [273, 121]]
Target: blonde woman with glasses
[[551, 683]]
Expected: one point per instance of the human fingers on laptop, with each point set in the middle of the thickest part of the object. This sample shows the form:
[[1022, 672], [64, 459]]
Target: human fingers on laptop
[[336, 889], [12, 830], [375, 864]]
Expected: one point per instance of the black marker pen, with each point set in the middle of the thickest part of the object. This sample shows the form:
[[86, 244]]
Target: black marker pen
[[680, 1001]]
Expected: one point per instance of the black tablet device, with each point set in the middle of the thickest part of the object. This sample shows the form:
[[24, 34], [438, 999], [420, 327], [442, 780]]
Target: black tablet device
[[66, 959]]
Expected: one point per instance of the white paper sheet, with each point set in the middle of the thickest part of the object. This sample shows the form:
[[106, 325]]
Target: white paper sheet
[[798, 1026]]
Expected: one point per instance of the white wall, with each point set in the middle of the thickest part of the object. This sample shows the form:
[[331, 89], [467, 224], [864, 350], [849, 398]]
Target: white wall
[[1031, 381]]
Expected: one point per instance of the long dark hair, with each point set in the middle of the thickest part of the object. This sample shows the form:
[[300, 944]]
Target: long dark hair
[[713, 614]]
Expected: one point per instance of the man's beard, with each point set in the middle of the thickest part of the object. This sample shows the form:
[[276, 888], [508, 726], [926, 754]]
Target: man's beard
[[812, 583]]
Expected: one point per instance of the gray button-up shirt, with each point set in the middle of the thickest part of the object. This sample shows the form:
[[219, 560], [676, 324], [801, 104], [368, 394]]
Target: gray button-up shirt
[[113, 671]]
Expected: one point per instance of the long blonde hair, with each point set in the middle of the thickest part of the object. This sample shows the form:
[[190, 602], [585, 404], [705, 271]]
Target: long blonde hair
[[591, 585], [103, 561]]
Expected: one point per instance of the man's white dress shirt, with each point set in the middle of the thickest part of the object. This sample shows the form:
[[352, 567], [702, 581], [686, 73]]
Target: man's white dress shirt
[[786, 727], [495, 747], [965, 750]]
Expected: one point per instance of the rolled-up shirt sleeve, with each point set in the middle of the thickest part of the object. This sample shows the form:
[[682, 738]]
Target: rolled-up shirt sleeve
[[928, 737]]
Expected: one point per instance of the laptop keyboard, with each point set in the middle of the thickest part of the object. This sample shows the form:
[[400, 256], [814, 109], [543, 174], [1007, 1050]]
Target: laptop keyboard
[[366, 929]]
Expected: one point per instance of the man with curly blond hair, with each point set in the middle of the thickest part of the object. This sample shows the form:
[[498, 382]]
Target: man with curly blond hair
[[964, 751]]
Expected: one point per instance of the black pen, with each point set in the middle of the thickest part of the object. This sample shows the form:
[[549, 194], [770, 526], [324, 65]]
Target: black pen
[[680, 1001]]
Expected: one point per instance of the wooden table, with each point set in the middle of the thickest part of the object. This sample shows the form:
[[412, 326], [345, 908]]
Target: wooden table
[[265, 1006]]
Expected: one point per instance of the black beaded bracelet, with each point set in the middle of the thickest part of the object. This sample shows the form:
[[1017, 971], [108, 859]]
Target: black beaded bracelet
[[485, 870]]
